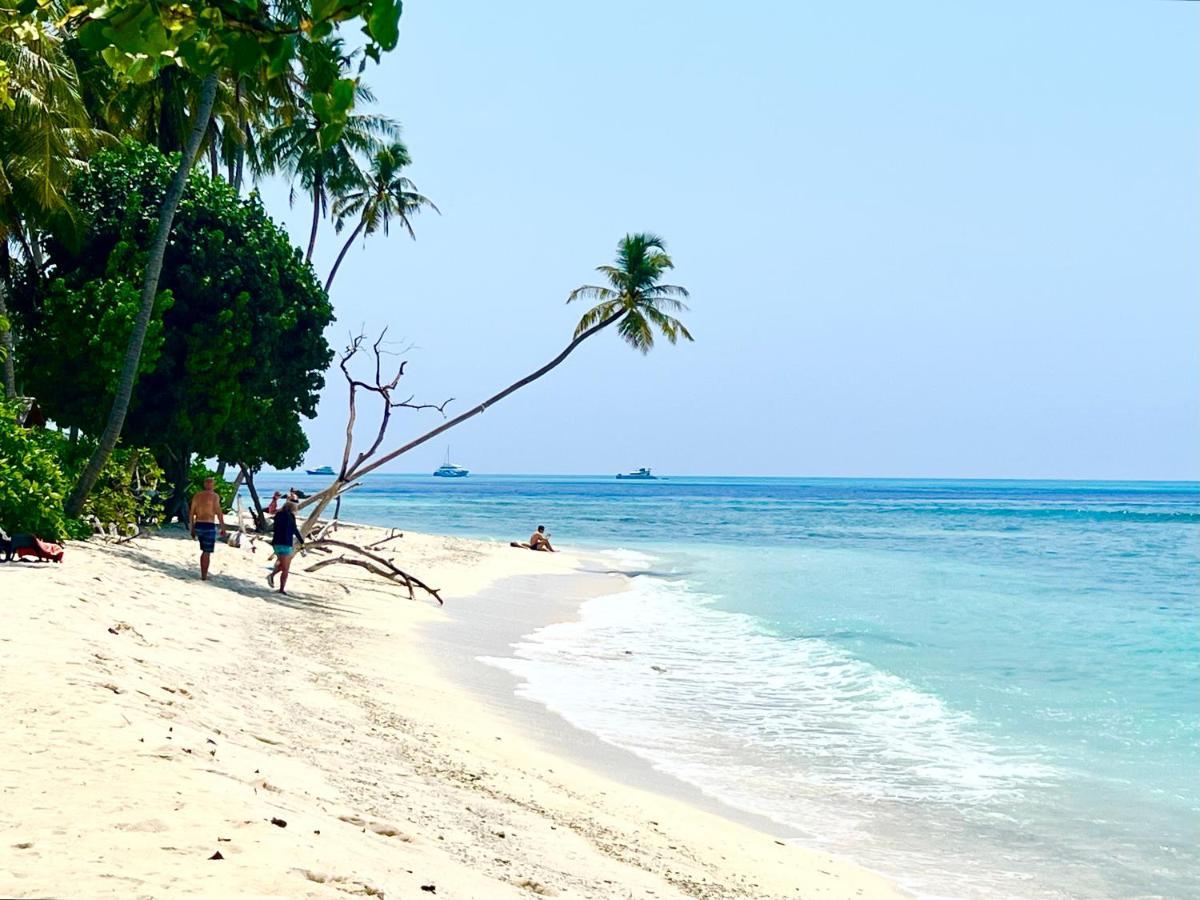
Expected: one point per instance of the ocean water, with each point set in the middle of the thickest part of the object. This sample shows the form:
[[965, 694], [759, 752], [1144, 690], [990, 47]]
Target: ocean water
[[978, 688]]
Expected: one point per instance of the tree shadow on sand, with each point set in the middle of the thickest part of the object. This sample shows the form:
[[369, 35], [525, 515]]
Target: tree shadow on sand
[[256, 589]]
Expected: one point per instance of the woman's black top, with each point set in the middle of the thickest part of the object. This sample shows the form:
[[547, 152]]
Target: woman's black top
[[285, 529]]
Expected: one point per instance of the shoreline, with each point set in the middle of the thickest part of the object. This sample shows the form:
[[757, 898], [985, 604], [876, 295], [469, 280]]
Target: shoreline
[[163, 728], [462, 644]]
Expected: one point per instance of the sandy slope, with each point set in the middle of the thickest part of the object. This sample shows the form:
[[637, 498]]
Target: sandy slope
[[152, 721]]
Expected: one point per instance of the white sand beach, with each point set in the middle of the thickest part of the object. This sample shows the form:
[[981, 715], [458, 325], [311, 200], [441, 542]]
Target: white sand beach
[[166, 737]]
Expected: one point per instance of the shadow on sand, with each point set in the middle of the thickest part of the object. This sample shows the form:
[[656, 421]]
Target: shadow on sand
[[236, 583]]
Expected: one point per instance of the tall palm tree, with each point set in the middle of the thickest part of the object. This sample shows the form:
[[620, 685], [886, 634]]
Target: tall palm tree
[[297, 146], [382, 195], [635, 300]]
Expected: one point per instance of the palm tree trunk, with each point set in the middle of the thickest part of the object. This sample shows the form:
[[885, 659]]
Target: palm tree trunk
[[133, 351], [34, 259], [318, 185], [6, 341], [213, 164], [350, 240], [327, 496], [240, 152]]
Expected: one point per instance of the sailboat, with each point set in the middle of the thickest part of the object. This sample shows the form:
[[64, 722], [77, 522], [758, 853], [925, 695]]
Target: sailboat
[[449, 470]]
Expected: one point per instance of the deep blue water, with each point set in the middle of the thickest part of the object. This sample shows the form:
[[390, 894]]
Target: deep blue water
[[981, 688]]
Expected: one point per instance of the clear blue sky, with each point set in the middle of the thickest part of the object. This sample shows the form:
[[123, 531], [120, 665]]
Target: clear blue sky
[[944, 239]]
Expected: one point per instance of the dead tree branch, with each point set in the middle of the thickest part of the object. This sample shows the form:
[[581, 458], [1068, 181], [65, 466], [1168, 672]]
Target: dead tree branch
[[374, 564], [383, 388]]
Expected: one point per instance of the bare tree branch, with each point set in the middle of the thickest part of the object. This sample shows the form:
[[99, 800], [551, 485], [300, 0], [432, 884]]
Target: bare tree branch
[[373, 563]]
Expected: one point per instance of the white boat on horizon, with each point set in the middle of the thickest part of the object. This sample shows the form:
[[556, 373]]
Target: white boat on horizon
[[449, 470], [323, 470]]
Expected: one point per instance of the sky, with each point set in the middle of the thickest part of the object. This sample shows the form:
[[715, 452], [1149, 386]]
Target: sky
[[921, 239]]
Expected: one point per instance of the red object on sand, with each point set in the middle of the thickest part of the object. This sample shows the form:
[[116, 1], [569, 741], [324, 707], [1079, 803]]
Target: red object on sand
[[42, 550]]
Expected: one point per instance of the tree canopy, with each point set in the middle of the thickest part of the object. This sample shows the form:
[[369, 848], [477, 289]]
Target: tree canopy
[[235, 354]]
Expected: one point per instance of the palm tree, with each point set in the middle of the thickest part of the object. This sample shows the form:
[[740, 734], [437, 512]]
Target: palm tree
[[45, 136], [383, 195], [634, 300], [297, 146]]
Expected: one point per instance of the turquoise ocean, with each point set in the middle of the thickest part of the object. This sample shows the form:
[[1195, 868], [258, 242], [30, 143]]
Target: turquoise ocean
[[978, 688]]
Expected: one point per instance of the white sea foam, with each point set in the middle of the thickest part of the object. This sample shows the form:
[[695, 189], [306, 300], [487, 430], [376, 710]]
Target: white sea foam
[[788, 728]]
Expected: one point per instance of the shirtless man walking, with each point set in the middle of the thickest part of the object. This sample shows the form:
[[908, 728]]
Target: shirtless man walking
[[203, 517]]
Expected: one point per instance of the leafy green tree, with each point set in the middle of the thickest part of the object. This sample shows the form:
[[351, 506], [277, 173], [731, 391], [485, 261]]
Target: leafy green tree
[[377, 198], [139, 38], [235, 350]]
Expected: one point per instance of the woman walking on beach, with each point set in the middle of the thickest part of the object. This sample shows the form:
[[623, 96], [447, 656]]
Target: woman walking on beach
[[282, 542]]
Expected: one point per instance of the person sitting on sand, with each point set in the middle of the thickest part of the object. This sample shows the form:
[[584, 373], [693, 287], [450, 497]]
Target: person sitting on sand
[[205, 508], [282, 542], [539, 540]]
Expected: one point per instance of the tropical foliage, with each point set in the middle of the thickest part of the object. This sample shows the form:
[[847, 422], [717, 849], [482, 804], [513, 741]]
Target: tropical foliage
[[377, 198], [33, 482], [235, 353], [143, 299], [635, 297]]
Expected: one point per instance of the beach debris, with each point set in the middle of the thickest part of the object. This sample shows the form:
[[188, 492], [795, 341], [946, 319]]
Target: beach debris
[[658, 669], [429, 888], [536, 887], [112, 687], [24, 845], [499, 834], [374, 564], [224, 839], [391, 537], [279, 822], [217, 855]]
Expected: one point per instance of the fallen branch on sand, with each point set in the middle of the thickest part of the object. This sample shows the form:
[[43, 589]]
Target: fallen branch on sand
[[391, 537], [373, 563]]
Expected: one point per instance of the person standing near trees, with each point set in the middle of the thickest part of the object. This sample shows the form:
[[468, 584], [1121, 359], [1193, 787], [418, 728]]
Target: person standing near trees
[[203, 516], [282, 542]]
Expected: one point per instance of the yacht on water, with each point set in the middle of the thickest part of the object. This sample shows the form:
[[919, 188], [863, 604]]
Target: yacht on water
[[642, 474], [449, 470], [324, 470]]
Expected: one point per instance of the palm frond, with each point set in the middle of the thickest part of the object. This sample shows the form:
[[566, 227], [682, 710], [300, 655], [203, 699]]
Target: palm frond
[[592, 292]]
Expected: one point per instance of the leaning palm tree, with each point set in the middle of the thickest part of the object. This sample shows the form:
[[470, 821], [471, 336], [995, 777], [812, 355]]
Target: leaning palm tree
[[383, 195], [635, 300]]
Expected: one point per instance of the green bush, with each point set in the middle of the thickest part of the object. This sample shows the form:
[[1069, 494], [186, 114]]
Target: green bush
[[33, 481], [127, 491], [38, 468]]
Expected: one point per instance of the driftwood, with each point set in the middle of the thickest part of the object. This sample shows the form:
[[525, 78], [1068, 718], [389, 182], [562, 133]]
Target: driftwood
[[391, 537], [373, 563]]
